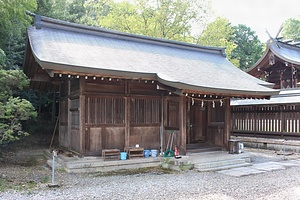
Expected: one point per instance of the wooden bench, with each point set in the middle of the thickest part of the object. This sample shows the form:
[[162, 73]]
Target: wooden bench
[[134, 152], [111, 154]]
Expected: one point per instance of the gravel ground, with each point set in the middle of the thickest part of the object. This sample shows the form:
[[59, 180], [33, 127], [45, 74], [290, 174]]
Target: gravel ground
[[282, 184]]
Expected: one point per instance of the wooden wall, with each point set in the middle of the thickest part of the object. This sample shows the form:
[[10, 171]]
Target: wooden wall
[[97, 114], [112, 105]]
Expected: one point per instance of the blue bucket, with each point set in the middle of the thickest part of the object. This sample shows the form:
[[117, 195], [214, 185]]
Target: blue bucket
[[146, 153], [153, 152], [123, 155]]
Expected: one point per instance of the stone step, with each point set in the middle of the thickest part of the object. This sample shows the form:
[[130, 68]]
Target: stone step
[[206, 157], [56, 164], [220, 163], [245, 164]]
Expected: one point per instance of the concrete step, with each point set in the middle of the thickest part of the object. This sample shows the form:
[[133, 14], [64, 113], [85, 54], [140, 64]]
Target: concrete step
[[217, 164], [105, 166], [91, 164], [214, 161], [206, 157], [245, 164], [56, 164]]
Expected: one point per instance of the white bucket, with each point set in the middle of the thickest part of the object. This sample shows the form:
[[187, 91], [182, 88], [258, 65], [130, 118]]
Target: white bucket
[[153, 152]]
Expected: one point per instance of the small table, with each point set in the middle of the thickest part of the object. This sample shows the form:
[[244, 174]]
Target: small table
[[134, 152], [112, 154]]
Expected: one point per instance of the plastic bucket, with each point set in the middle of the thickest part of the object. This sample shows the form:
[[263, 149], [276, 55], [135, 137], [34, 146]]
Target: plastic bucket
[[123, 155], [169, 153], [153, 152], [146, 153]]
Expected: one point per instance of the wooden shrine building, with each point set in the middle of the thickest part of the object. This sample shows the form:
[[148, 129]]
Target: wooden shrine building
[[118, 89], [278, 117]]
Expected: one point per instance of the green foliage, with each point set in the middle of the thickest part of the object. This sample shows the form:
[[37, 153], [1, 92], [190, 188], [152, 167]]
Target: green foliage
[[218, 33], [10, 82], [2, 59], [13, 110], [291, 29], [58, 9], [167, 19], [248, 47], [13, 24]]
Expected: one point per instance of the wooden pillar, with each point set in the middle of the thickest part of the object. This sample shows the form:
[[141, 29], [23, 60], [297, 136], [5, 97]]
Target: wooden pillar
[[162, 124], [59, 115], [182, 123], [210, 134], [165, 120], [227, 123], [127, 114], [82, 128], [69, 138], [188, 121]]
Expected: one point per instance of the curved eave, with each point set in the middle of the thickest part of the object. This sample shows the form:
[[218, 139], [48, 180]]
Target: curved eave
[[272, 47], [282, 57], [55, 68], [255, 68]]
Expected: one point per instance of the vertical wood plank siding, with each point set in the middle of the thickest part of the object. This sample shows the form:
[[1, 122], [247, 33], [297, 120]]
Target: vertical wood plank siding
[[105, 110], [276, 121], [111, 111], [145, 111]]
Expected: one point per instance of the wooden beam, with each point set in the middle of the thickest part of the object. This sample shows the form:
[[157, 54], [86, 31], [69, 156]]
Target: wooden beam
[[82, 128], [227, 124], [188, 121], [41, 78], [127, 114], [182, 123], [69, 137], [162, 123]]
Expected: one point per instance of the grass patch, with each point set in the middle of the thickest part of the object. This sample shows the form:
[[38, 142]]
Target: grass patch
[[6, 184], [124, 172], [45, 179]]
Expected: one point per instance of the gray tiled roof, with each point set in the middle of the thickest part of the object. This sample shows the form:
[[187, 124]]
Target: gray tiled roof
[[286, 52], [286, 96], [62, 46]]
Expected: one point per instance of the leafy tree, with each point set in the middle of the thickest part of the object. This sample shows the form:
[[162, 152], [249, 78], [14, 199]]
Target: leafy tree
[[13, 24], [248, 47], [68, 10], [12, 113], [291, 29], [167, 19], [13, 110], [218, 33], [2, 58]]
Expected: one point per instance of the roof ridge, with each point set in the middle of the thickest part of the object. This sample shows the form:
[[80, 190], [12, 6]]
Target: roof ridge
[[42, 21]]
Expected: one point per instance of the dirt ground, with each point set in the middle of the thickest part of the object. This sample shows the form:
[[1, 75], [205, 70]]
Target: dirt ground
[[22, 164]]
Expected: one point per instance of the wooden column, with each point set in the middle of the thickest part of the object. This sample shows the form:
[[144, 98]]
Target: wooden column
[[182, 123], [69, 138], [188, 121], [162, 123], [227, 121], [165, 121], [82, 129], [127, 114]]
